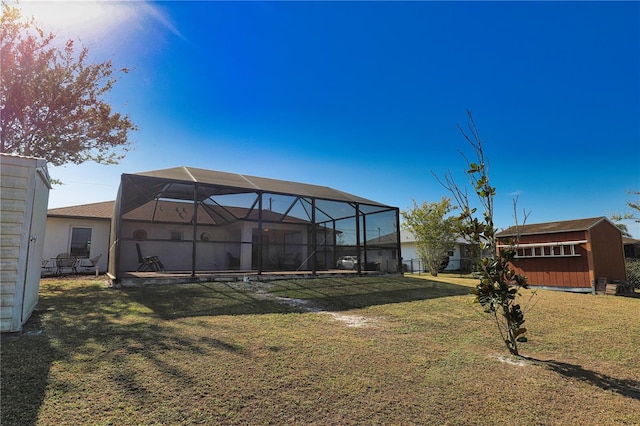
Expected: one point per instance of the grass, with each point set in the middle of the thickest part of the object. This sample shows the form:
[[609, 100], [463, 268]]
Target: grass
[[223, 353]]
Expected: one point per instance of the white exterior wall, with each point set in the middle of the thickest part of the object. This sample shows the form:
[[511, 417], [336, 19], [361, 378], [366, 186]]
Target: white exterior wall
[[410, 252], [454, 260], [177, 254], [211, 255], [24, 193], [58, 239]]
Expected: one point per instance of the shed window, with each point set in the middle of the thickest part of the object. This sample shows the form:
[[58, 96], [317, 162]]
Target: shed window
[[552, 249]]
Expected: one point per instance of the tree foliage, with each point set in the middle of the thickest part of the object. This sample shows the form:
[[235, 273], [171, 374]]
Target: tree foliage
[[435, 232], [499, 285], [633, 215], [52, 99]]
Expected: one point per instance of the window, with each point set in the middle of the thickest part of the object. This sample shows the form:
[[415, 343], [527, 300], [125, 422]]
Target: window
[[552, 249], [176, 235], [80, 242]]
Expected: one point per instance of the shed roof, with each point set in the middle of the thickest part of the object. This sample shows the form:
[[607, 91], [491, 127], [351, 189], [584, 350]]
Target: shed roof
[[234, 182], [102, 210], [552, 227]]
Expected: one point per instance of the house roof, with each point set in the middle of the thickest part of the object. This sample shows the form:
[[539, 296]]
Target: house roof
[[407, 236], [234, 182], [162, 211], [630, 241], [102, 210], [552, 227]]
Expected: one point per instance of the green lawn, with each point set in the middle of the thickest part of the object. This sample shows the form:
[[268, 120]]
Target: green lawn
[[383, 350]]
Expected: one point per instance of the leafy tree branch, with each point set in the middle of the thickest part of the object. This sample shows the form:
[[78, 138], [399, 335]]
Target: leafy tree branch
[[633, 215], [52, 102]]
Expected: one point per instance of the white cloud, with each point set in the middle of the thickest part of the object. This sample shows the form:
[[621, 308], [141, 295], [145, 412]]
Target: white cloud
[[94, 21]]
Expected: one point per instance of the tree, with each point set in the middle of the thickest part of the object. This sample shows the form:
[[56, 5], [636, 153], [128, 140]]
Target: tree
[[634, 215], [434, 231], [52, 99], [499, 285], [622, 227]]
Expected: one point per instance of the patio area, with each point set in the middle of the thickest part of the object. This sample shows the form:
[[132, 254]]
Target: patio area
[[140, 279], [214, 225]]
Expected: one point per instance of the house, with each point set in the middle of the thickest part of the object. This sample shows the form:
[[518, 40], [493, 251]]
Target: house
[[378, 258], [461, 258], [196, 221], [631, 247], [81, 231], [24, 194], [572, 255]]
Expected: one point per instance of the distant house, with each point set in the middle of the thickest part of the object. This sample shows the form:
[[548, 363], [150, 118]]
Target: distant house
[[81, 231], [461, 258], [84, 231], [631, 248], [572, 255]]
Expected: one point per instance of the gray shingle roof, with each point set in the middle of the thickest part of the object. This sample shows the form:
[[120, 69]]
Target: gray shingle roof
[[552, 227], [102, 210]]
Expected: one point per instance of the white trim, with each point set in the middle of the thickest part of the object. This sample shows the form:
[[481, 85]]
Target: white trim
[[571, 245], [552, 244]]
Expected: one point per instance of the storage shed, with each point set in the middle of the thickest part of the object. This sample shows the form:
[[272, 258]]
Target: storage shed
[[24, 195], [572, 255], [193, 221]]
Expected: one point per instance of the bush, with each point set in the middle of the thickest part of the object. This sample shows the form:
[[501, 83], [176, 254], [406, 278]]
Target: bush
[[633, 272]]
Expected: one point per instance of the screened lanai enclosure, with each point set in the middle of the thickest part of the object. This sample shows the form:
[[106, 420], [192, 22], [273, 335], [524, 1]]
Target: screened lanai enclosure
[[192, 221]]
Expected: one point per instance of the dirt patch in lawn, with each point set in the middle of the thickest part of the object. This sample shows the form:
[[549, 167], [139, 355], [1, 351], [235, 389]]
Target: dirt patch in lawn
[[260, 289]]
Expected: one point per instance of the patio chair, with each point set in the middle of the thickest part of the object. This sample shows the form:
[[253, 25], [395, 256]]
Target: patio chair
[[92, 262], [152, 263], [66, 261], [45, 268]]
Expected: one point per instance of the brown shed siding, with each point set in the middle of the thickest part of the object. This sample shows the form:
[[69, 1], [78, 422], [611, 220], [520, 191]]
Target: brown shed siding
[[556, 271], [608, 252], [602, 255]]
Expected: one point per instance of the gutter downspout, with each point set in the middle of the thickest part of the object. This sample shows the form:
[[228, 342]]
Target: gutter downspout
[[260, 233], [590, 262], [359, 251], [314, 238], [398, 243], [195, 230]]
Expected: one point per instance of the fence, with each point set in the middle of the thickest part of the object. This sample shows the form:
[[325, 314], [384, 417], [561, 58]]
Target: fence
[[633, 272], [464, 265]]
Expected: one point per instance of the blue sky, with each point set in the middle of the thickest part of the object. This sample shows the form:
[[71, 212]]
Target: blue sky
[[366, 97]]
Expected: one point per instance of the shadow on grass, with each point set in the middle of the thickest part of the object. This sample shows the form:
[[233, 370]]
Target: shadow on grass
[[206, 299], [356, 293], [109, 327], [335, 294], [624, 387], [26, 360], [90, 322]]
